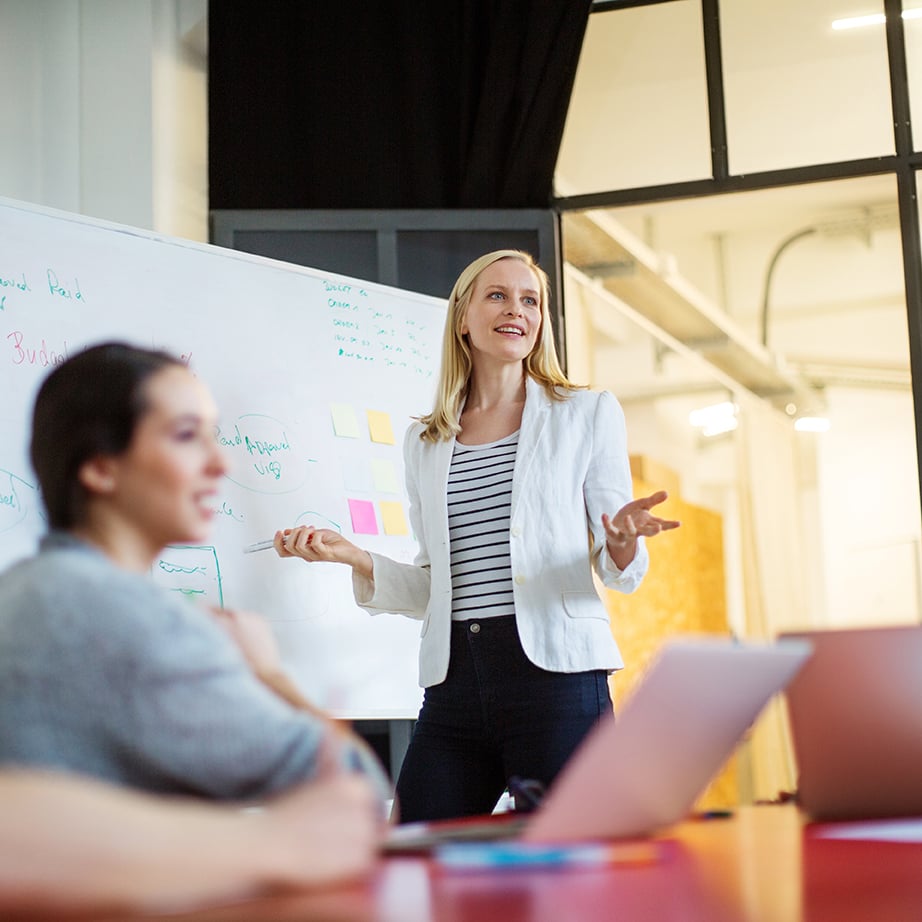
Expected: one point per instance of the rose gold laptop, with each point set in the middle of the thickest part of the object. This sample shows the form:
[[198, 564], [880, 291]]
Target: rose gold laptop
[[643, 771], [856, 721]]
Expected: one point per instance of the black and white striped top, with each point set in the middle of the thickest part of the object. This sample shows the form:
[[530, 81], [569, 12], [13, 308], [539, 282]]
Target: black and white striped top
[[479, 507]]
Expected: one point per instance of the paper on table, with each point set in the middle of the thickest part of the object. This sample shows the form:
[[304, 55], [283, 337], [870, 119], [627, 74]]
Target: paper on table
[[897, 830]]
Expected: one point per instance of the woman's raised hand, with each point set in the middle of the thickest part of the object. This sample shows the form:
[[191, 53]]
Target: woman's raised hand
[[631, 521]]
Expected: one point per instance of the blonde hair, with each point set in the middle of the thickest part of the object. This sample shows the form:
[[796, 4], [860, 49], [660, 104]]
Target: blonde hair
[[541, 363]]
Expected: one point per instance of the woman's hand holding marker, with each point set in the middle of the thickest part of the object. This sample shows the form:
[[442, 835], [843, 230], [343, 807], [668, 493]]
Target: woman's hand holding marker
[[322, 545]]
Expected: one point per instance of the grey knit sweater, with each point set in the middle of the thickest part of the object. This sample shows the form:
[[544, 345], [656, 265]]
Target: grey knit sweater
[[104, 673]]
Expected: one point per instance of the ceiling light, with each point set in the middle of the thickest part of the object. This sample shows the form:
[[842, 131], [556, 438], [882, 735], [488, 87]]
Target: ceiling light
[[812, 424], [715, 419], [719, 428], [872, 19]]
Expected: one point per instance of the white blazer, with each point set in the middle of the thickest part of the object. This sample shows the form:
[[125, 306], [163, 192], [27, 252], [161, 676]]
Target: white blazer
[[571, 466]]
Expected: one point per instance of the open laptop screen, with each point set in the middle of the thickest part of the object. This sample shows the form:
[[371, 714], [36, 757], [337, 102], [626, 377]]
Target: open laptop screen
[[856, 721]]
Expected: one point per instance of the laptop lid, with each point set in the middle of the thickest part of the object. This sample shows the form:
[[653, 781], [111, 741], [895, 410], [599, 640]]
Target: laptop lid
[[643, 771], [855, 711]]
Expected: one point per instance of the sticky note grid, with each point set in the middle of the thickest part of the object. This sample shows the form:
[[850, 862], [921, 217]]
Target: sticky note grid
[[379, 475]]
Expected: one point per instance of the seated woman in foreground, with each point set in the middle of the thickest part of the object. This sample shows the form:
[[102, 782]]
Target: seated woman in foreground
[[102, 672]]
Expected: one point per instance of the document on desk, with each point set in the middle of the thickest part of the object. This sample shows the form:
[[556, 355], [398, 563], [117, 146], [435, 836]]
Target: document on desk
[[895, 830]]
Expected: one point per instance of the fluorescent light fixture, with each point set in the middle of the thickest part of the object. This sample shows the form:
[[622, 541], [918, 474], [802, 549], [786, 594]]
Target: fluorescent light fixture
[[715, 419], [720, 427], [812, 424], [872, 19]]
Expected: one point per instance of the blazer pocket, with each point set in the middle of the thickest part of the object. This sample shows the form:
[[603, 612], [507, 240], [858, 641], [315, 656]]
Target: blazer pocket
[[584, 605]]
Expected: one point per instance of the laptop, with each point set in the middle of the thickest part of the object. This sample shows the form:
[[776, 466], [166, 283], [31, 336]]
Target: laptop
[[633, 775], [855, 711]]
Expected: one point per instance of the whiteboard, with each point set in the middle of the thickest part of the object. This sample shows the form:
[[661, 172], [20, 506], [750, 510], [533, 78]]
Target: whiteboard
[[317, 377]]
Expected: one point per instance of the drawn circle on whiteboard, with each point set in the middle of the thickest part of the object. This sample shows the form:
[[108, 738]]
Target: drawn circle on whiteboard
[[318, 520], [12, 508], [263, 456]]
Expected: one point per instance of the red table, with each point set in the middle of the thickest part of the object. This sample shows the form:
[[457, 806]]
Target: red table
[[763, 864]]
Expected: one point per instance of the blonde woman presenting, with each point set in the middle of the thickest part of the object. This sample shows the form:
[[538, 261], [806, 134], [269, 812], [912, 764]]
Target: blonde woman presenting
[[519, 486]]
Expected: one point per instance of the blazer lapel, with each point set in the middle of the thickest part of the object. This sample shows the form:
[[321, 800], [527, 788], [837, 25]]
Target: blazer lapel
[[435, 477], [534, 421]]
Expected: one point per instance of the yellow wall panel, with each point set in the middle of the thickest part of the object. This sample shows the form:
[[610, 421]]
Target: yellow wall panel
[[683, 593]]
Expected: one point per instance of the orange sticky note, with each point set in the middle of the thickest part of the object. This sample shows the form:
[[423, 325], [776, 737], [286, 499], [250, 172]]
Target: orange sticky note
[[392, 516], [379, 426]]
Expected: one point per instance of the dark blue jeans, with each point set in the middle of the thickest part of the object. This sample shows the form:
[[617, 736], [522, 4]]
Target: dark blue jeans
[[496, 715]]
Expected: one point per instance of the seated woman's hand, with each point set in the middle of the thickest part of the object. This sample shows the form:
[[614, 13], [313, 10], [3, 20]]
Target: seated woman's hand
[[254, 637], [330, 827]]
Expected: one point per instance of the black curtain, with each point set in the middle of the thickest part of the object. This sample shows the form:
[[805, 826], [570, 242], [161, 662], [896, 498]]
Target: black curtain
[[389, 104]]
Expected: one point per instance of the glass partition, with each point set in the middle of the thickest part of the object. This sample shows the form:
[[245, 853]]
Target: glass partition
[[802, 283], [638, 113], [800, 90]]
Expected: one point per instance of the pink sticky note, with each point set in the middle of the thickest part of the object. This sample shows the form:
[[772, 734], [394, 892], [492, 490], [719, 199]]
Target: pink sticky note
[[363, 517]]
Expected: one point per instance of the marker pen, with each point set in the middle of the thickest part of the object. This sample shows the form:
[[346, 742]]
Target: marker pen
[[477, 856]]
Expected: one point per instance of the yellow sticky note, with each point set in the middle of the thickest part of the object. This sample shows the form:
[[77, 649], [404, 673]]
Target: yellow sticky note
[[379, 426], [384, 475], [345, 422], [392, 516]]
